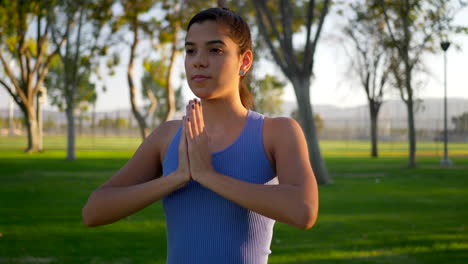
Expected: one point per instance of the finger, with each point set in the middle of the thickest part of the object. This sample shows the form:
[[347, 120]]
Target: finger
[[182, 142], [188, 127], [193, 111], [199, 116], [187, 110]]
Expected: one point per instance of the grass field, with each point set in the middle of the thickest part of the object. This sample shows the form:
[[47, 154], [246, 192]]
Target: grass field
[[377, 210]]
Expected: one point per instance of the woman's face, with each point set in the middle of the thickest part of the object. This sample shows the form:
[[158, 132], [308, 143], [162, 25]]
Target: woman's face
[[212, 61]]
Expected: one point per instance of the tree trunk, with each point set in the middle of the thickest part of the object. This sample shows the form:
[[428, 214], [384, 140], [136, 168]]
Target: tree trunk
[[93, 120], [31, 126], [409, 89], [301, 88], [171, 103], [144, 131], [11, 113], [70, 133], [71, 86], [411, 133], [374, 112], [40, 101]]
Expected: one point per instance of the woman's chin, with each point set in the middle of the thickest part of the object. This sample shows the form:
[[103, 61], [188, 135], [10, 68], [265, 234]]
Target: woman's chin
[[202, 93]]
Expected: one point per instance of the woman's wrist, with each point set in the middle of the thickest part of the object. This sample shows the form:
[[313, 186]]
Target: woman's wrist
[[204, 177], [181, 178]]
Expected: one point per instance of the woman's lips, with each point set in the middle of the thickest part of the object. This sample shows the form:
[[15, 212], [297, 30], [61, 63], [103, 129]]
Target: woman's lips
[[199, 78]]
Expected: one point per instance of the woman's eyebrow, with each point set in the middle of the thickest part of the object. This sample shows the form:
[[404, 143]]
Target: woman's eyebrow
[[216, 41]]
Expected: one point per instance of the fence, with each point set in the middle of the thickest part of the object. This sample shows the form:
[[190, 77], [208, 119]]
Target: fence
[[332, 129]]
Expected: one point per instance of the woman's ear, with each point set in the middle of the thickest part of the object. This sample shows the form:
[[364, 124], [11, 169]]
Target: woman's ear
[[247, 59]]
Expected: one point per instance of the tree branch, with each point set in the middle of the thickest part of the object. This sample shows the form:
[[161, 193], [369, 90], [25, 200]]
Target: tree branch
[[308, 62], [387, 23], [45, 66], [40, 47], [286, 15], [268, 41], [19, 53], [9, 90], [420, 49], [310, 18], [271, 22], [12, 77], [29, 76]]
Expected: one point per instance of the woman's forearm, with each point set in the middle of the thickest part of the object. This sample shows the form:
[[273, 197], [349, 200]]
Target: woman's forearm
[[109, 204], [282, 202]]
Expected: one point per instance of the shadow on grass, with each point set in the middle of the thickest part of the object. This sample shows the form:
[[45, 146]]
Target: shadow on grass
[[373, 248], [73, 243], [371, 257]]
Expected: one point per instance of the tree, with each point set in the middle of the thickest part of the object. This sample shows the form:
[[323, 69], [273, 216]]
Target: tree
[[163, 32], [132, 17], [296, 65], [155, 89], [70, 78], [25, 54], [413, 28], [369, 60], [170, 37]]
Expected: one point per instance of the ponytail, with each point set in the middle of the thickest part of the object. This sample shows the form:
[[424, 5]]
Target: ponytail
[[245, 94]]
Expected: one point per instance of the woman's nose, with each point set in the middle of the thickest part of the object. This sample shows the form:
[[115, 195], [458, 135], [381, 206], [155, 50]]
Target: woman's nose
[[200, 60]]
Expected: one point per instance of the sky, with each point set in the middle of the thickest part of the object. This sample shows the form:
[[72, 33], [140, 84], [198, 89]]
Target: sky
[[330, 86]]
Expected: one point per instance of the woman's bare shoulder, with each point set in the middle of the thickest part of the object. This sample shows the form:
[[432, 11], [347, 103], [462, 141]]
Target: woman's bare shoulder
[[167, 129], [278, 126], [163, 134], [146, 163], [278, 131]]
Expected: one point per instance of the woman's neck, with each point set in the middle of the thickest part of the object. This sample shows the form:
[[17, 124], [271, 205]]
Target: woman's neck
[[223, 113]]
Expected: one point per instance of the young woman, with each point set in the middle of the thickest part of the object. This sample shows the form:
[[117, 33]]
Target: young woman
[[224, 173]]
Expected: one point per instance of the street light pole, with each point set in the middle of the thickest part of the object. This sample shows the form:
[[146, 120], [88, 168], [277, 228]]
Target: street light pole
[[445, 161]]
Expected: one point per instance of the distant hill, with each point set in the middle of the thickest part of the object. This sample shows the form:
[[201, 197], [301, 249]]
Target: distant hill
[[429, 114]]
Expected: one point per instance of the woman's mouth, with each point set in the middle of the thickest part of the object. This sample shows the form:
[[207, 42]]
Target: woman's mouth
[[200, 78]]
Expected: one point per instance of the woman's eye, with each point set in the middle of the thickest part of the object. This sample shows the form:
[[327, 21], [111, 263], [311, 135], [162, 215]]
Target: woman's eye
[[189, 51], [217, 51]]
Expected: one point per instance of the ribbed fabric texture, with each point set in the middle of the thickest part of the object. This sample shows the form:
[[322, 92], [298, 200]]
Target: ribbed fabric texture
[[202, 226]]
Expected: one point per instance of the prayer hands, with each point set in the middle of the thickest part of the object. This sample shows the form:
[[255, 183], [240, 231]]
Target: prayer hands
[[194, 152], [184, 167]]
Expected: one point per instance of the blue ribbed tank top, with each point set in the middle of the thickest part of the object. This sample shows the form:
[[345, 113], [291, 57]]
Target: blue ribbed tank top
[[204, 227]]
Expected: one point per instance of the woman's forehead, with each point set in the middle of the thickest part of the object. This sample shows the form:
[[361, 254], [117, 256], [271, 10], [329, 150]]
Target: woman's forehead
[[208, 31]]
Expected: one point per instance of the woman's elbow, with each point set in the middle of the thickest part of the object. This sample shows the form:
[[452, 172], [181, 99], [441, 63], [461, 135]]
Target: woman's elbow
[[90, 215], [87, 218], [308, 217]]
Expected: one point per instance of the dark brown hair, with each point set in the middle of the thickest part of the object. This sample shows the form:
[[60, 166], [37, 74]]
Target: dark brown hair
[[239, 32]]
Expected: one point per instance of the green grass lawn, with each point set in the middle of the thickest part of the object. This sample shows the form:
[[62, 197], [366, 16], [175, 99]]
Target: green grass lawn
[[377, 210]]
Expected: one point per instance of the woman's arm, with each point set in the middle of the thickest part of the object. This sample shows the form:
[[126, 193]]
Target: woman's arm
[[138, 184], [109, 204], [293, 201]]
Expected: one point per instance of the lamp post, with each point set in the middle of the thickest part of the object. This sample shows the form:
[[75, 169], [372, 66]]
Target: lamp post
[[445, 161]]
